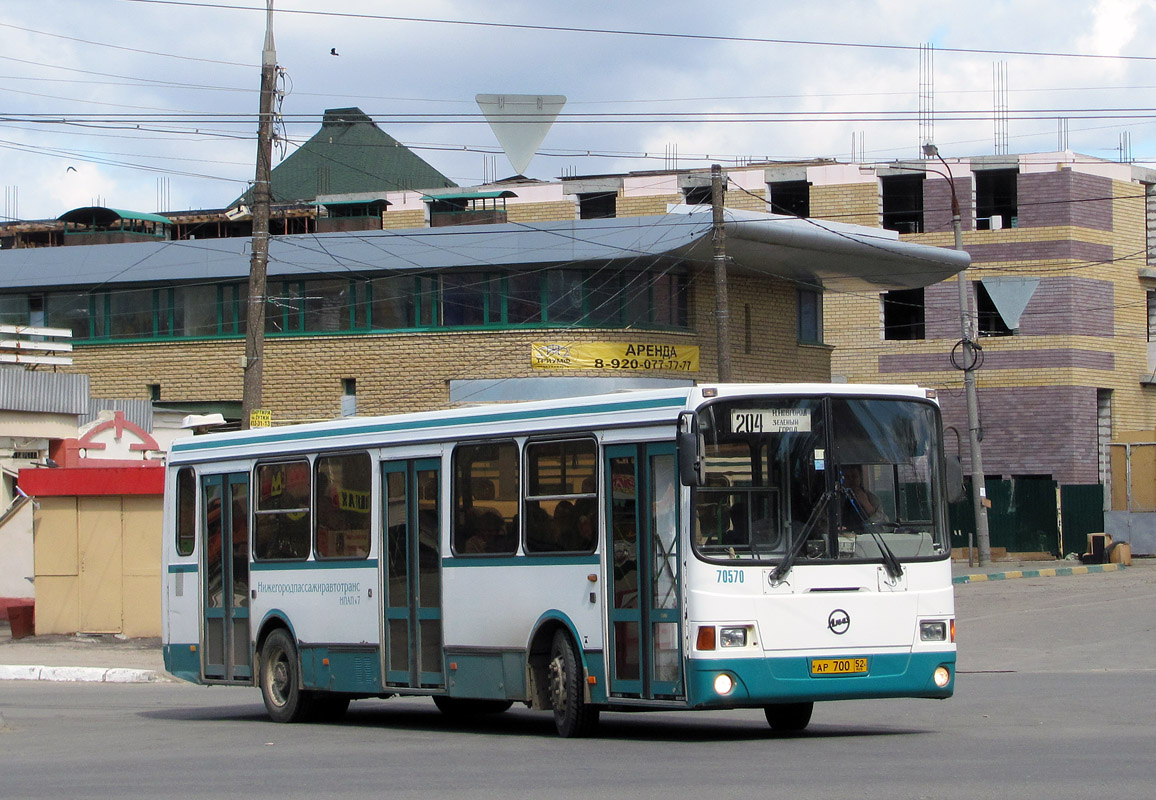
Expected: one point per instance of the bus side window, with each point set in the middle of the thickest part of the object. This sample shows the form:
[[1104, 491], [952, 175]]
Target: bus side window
[[282, 514], [341, 505], [485, 492], [186, 511], [561, 496]]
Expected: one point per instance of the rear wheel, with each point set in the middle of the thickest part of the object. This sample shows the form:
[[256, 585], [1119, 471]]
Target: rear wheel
[[573, 716], [788, 717], [460, 707], [281, 680]]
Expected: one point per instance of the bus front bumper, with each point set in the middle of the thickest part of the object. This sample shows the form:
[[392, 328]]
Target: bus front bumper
[[762, 681]]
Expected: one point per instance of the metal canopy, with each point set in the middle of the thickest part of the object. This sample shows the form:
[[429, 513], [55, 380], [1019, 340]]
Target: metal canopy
[[832, 255], [99, 215]]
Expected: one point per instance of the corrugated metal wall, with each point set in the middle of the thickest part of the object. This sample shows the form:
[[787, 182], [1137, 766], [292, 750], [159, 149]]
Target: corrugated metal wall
[[46, 392]]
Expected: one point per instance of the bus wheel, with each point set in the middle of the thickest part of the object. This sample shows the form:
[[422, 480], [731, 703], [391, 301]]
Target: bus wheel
[[280, 679], [459, 707], [573, 716], [788, 717]]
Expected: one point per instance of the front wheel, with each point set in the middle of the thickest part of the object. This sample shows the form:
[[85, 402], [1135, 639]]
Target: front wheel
[[573, 716], [281, 680], [789, 717]]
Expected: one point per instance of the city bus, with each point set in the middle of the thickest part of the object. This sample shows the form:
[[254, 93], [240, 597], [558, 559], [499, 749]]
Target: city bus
[[761, 546]]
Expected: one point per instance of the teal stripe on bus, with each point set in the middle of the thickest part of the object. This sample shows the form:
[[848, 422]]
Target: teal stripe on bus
[[273, 566], [175, 568], [521, 561], [423, 424]]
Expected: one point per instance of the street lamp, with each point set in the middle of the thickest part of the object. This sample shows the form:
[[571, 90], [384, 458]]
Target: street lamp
[[979, 487]]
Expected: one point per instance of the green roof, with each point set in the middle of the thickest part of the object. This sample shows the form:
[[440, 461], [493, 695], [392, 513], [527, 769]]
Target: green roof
[[99, 215], [349, 154]]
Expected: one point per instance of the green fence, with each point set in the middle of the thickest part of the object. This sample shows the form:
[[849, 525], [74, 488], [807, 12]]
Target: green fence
[[1023, 516]]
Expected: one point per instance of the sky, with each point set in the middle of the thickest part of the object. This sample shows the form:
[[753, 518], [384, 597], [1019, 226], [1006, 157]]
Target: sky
[[151, 105]]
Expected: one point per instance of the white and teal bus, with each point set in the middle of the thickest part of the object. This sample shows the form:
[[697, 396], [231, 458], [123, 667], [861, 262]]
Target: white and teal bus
[[711, 547]]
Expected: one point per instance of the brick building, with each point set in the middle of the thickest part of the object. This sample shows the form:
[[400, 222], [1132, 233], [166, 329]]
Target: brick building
[[378, 321]]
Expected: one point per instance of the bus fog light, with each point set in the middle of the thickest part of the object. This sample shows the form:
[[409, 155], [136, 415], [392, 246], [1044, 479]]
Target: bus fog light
[[723, 683], [932, 631], [942, 676], [732, 637]]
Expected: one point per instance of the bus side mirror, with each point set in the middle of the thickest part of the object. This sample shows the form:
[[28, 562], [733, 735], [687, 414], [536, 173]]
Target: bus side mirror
[[690, 447], [954, 477]]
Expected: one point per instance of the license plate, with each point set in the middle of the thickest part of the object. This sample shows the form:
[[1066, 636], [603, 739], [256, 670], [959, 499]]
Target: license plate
[[838, 666]]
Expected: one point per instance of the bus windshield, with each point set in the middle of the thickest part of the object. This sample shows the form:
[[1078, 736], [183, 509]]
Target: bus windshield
[[820, 479]]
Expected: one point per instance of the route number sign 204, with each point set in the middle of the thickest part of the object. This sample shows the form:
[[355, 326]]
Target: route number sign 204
[[770, 420]]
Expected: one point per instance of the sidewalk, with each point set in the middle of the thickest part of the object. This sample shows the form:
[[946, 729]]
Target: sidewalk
[[1011, 569], [97, 658], [110, 659]]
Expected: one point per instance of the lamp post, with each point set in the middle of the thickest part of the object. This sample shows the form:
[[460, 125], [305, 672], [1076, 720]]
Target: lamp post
[[979, 487]]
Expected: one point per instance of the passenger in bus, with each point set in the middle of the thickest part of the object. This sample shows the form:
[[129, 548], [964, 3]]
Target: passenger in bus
[[565, 526], [738, 532], [860, 505], [487, 533]]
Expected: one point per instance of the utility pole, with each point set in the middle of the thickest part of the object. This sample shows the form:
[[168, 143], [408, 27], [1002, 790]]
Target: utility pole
[[721, 301], [978, 485], [254, 362]]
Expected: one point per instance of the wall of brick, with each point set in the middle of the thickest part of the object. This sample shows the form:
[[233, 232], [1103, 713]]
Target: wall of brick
[[855, 203]]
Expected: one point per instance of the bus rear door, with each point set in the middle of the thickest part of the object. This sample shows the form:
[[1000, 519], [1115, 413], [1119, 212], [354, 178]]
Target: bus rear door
[[411, 573]]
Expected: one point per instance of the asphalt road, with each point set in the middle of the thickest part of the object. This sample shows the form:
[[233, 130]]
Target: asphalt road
[[1055, 698]]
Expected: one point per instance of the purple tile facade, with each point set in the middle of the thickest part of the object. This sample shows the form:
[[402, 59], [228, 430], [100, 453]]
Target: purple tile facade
[[937, 205], [1030, 430], [1060, 305], [1046, 199]]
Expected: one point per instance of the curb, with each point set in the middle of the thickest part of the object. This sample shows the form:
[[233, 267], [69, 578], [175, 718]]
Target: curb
[[19, 672], [1037, 573]]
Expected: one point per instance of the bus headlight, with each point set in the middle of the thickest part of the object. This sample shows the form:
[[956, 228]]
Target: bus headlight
[[732, 637], [723, 683], [942, 676], [932, 631]]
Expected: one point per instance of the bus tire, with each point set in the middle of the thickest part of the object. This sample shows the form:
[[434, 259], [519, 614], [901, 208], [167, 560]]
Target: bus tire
[[462, 707], [573, 716], [285, 701], [789, 717]]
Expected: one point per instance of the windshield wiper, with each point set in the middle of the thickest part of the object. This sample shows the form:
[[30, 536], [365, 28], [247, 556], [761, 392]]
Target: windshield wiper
[[779, 573], [890, 562]]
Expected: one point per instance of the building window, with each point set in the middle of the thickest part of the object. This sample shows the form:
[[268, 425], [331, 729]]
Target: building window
[[991, 322], [810, 316], [904, 314], [597, 205], [697, 195], [790, 197], [480, 210], [903, 203], [995, 199], [610, 296], [1151, 315]]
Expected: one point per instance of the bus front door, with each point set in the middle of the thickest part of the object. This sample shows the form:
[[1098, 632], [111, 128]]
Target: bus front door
[[225, 651], [645, 608], [411, 575]]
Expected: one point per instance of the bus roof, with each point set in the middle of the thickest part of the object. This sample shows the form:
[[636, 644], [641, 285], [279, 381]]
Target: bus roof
[[644, 408]]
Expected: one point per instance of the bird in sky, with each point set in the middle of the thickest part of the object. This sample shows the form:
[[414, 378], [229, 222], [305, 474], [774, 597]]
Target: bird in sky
[[333, 51]]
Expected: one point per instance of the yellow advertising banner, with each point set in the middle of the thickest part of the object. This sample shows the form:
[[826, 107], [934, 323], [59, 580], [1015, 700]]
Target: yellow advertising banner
[[631, 356]]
